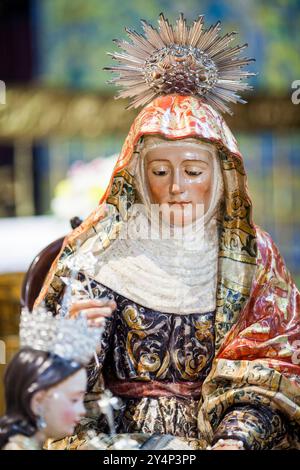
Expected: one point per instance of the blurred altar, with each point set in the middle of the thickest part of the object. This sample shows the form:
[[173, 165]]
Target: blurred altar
[[61, 129]]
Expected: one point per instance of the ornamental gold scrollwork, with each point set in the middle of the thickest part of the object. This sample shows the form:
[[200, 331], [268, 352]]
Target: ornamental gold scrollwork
[[189, 368]]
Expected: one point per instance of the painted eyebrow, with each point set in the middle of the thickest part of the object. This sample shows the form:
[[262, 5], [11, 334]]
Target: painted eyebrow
[[158, 160], [197, 160]]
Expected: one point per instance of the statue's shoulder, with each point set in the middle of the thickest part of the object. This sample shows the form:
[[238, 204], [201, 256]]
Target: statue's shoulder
[[266, 247], [262, 235], [270, 262]]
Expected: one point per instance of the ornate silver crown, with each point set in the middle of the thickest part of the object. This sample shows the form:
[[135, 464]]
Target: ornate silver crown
[[69, 338], [182, 60]]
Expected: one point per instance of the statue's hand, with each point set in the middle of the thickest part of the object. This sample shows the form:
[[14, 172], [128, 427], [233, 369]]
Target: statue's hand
[[229, 447], [228, 444], [95, 310]]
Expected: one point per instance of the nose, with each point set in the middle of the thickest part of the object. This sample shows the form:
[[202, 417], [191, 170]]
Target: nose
[[82, 410], [175, 189], [176, 186]]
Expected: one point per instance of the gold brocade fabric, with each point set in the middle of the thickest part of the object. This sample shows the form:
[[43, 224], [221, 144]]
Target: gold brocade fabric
[[164, 415], [20, 442], [114, 442]]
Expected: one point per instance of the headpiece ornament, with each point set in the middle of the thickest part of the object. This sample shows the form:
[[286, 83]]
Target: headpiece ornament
[[70, 338], [180, 60]]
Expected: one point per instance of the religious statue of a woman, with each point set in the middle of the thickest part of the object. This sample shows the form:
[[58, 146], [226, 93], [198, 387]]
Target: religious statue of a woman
[[202, 325]]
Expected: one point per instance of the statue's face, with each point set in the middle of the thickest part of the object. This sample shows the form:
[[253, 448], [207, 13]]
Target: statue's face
[[179, 175], [62, 406]]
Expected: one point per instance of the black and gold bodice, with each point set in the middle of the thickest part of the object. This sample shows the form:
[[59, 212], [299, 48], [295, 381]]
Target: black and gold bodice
[[156, 362], [150, 353]]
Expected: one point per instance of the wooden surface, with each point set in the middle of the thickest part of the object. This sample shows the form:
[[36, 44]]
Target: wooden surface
[[10, 291]]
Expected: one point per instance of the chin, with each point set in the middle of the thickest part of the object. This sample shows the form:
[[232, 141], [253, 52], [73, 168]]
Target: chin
[[178, 222], [178, 218], [71, 430]]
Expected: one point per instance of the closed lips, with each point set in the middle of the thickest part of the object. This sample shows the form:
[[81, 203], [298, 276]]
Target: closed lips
[[180, 202]]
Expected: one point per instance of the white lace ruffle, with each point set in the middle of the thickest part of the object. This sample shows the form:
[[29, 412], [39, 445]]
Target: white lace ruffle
[[163, 274]]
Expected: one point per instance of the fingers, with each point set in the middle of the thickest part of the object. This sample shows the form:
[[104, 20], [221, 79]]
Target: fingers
[[107, 306], [92, 313], [97, 322], [82, 304]]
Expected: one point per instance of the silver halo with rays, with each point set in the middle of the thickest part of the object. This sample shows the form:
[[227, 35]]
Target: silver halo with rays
[[180, 60]]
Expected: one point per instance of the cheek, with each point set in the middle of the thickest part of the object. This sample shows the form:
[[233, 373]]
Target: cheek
[[200, 191], [159, 188], [69, 414], [61, 415]]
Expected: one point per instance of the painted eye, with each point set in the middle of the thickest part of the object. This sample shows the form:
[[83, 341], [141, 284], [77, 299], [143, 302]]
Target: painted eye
[[76, 399], [193, 172], [160, 172]]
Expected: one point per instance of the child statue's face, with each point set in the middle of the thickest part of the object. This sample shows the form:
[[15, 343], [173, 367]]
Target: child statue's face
[[179, 175], [61, 406]]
